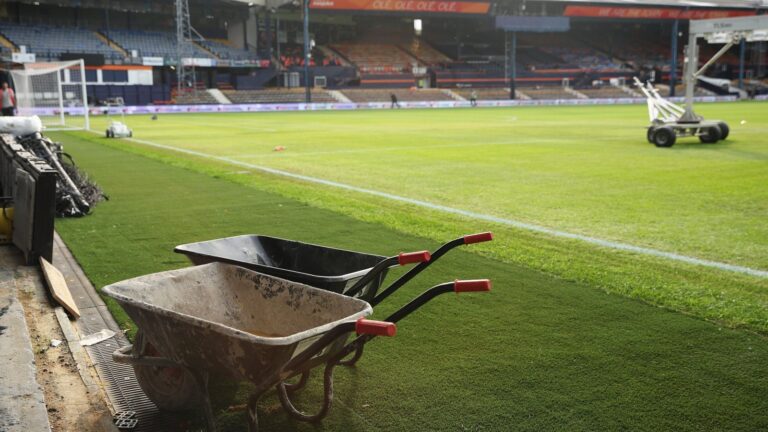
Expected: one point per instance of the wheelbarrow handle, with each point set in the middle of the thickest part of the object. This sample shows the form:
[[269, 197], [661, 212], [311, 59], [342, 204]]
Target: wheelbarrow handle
[[375, 328], [459, 286], [478, 285], [436, 255], [362, 327], [478, 238], [401, 259], [413, 257]]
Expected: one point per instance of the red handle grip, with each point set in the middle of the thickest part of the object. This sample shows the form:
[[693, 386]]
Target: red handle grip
[[375, 328], [478, 238], [472, 285], [413, 257]]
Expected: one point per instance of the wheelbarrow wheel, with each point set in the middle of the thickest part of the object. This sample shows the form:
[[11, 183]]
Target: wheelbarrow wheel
[[171, 389]]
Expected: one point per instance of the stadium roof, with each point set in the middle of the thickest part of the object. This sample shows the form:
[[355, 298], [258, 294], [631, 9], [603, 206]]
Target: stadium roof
[[752, 4]]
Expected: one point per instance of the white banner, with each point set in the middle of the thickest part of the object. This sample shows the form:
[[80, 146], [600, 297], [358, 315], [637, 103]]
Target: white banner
[[152, 61], [23, 57], [201, 62]]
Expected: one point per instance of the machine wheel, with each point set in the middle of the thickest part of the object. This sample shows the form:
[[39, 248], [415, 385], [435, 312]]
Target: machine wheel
[[650, 133], [171, 389], [664, 137], [108, 134], [711, 135], [130, 134], [724, 130]]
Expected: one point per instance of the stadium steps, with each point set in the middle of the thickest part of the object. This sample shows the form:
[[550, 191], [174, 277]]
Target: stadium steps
[[329, 52], [425, 53], [576, 93], [630, 92], [206, 49], [413, 57], [112, 44], [521, 95], [496, 93], [339, 96], [219, 96], [454, 95], [4, 41], [335, 53]]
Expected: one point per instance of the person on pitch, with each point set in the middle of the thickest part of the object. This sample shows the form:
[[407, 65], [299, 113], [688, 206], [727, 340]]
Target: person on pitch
[[7, 101]]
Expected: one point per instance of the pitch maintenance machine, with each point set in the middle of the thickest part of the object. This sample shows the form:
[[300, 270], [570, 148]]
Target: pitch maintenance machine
[[670, 121]]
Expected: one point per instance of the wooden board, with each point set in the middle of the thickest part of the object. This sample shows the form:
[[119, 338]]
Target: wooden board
[[59, 288]]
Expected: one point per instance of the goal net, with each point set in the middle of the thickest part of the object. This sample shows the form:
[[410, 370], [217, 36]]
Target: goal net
[[55, 91]]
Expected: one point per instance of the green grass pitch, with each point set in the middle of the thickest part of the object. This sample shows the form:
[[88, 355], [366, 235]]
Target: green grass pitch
[[562, 342]]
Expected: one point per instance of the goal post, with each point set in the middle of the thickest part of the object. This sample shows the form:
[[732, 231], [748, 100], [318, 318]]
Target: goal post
[[54, 91]]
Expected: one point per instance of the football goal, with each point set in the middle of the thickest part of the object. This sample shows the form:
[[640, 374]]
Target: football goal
[[54, 91]]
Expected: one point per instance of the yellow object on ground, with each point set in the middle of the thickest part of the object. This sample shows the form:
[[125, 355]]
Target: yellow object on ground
[[6, 225]]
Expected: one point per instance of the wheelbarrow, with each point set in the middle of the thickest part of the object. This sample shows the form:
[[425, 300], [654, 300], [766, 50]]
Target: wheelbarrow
[[224, 319], [356, 274]]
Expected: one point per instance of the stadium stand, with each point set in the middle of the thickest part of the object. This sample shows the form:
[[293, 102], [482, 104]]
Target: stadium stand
[[188, 97], [488, 93], [605, 92], [380, 53], [48, 43], [223, 50], [377, 58], [269, 96], [680, 91], [403, 95], [150, 43], [547, 92], [425, 53]]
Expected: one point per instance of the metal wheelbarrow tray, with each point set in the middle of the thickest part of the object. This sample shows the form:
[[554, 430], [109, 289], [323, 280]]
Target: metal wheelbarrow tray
[[250, 326], [323, 267], [355, 274]]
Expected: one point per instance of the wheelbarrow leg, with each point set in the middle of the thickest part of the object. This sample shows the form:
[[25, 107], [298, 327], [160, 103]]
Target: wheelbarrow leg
[[253, 415], [205, 400], [327, 397], [291, 388], [353, 360]]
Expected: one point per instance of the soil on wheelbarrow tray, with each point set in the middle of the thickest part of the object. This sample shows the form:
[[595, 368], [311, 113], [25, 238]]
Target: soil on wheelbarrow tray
[[71, 407]]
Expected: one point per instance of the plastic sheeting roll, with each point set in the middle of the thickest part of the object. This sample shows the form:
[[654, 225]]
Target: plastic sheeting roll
[[20, 126]]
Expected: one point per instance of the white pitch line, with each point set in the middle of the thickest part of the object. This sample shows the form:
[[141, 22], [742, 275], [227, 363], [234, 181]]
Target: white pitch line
[[479, 216]]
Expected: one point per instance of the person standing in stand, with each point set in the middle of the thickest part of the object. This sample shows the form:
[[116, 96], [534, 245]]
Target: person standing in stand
[[7, 101]]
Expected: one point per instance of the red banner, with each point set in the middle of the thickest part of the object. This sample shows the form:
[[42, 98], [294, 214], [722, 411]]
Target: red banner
[[419, 6], [653, 13]]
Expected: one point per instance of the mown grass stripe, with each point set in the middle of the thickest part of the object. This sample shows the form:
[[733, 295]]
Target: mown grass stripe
[[474, 215]]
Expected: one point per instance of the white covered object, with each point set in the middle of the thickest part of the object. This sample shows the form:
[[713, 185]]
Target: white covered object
[[20, 126]]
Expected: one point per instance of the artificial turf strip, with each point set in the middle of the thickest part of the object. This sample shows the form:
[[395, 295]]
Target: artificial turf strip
[[538, 353], [724, 297]]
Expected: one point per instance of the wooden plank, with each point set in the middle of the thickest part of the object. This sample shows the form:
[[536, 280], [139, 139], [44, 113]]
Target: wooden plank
[[59, 288]]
